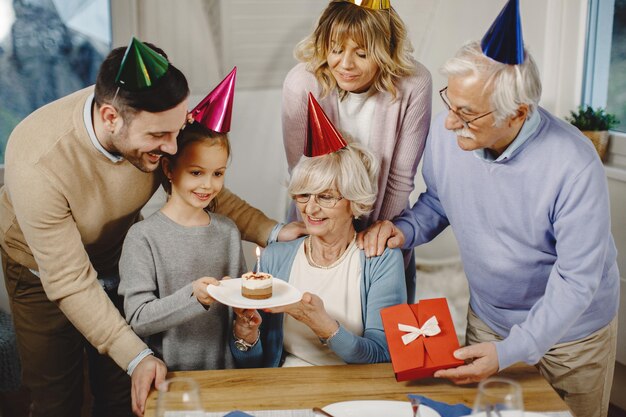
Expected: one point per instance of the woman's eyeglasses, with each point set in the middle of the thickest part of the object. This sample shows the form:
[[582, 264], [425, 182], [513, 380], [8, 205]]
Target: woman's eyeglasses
[[323, 200]]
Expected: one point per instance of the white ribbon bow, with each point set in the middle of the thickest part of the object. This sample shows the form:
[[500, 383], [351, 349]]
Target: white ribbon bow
[[430, 328]]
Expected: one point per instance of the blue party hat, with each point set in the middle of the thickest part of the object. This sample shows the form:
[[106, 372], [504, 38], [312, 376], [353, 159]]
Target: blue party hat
[[503, 41]]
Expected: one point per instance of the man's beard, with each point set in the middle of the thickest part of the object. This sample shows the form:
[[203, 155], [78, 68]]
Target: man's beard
[[135, 158], [140, 164]]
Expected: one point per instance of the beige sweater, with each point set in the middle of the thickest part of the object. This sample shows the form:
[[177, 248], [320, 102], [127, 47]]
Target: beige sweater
[[65, 210]]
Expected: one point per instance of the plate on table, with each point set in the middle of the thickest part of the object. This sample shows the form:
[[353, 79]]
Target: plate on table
[[229, 293], [377, 408], [508, 413]]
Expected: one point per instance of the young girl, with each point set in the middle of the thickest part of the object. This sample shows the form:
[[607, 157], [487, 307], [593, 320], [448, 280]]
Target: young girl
[[169, 259]]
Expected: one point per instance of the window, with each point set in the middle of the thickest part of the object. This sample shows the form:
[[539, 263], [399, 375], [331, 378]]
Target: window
[[616, 100], [47, 50], [605, 72]]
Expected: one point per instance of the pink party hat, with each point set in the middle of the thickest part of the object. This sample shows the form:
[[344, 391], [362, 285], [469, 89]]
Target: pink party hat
[[321, 137], [215, 110]]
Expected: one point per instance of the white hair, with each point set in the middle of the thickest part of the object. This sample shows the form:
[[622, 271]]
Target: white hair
[[353, 171], [513, 85]]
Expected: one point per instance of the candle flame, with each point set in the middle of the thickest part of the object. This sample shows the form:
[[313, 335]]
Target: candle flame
[[258, 251]]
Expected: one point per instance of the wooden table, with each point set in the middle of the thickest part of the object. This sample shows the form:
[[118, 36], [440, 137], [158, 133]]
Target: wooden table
[[296, 388]]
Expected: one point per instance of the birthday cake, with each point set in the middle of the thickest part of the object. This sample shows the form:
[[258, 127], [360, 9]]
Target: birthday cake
[[256, 285]]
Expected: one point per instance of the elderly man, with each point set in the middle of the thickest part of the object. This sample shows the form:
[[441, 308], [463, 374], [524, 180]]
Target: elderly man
[[527, 198], [78, 171]]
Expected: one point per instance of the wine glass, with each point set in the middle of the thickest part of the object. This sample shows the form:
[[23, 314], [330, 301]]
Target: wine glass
[[179, 397], [415, 405], [499, 397]]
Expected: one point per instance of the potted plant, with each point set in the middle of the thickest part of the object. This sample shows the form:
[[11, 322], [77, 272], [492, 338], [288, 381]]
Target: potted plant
[[595, 124]]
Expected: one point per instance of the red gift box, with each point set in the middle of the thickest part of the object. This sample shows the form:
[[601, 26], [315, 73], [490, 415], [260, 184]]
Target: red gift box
[[422, 356]]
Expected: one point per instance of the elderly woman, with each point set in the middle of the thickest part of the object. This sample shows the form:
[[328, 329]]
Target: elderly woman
[[337, 320], [358, 63]]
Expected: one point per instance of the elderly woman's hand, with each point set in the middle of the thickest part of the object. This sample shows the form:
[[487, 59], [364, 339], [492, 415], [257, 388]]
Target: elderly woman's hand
[[310, 311], [246, 324]]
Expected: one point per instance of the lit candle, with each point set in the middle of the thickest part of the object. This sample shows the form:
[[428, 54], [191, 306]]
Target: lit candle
[[257, 267]]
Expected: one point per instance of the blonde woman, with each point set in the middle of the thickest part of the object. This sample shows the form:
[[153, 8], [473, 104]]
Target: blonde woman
[[358, 65]]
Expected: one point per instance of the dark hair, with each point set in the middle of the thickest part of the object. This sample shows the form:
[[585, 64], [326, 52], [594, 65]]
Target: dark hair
[[167, 92], [193, 133]]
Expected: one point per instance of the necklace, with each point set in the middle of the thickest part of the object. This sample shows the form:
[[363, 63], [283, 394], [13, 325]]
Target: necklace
[[309, 254]]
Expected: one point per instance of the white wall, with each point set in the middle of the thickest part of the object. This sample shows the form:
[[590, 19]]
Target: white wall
[[616, 172], [553, 31], [437, 28]]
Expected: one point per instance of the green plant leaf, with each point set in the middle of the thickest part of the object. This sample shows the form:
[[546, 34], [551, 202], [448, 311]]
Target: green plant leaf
[[587, 118]]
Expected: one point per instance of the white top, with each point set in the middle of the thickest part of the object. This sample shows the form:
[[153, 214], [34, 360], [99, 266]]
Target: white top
[[356, 112], [340, 289]]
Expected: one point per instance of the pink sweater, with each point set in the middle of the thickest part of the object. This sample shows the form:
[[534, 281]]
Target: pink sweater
[[398, 135]]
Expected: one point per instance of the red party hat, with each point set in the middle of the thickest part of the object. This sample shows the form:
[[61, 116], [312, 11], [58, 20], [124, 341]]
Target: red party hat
[[215, 110], [321, 136]]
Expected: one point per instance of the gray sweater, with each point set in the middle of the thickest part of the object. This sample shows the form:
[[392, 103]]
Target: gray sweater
[[160, 260]]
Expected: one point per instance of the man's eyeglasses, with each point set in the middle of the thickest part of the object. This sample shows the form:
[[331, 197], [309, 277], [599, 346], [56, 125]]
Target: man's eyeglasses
[[444, 96], [324, 200]]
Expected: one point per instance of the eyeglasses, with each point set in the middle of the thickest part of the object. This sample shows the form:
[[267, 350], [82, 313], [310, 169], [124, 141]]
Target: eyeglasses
[[324, 200], [444, 97]]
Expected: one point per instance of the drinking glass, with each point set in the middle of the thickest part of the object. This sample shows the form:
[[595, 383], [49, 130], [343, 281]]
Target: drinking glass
[[415, 405], [179, 397], [499, 397]]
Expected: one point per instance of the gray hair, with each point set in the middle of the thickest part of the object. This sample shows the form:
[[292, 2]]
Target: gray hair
[[513, 85], [353, 171]]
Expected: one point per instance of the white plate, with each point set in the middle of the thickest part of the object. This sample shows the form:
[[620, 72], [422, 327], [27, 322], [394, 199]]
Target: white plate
[[229, 293], [376, 408]]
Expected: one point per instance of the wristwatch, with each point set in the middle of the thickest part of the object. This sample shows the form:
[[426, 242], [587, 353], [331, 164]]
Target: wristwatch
[[242, 345]]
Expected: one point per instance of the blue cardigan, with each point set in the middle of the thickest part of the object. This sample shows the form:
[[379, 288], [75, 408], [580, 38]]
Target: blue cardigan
[[382, 286]]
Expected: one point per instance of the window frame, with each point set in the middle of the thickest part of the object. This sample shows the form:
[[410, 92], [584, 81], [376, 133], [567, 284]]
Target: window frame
[[114, 6], [596, 70]]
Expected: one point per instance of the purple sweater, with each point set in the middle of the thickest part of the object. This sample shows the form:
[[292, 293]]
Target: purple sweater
[[399, 131], [533, 232]]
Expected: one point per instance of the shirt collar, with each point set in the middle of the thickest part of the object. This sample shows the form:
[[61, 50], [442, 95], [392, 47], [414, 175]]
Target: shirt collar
[[528, 128], [92, 134]]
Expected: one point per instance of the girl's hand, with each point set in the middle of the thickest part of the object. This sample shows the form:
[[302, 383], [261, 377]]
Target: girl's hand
[[200, 292], [246, 324], [310, 311]]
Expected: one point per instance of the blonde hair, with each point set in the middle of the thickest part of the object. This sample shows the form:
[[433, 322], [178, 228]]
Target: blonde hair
[[380, 32], [192, 133], [513, 85], [353, 171]]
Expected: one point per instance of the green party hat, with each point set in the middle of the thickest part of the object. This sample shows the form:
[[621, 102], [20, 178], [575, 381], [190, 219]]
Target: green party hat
[[141, 67]]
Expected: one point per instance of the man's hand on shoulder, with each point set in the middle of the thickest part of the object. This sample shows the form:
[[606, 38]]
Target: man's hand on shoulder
[[484, 363], [150, 370], [381, 234], [291, 231]]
